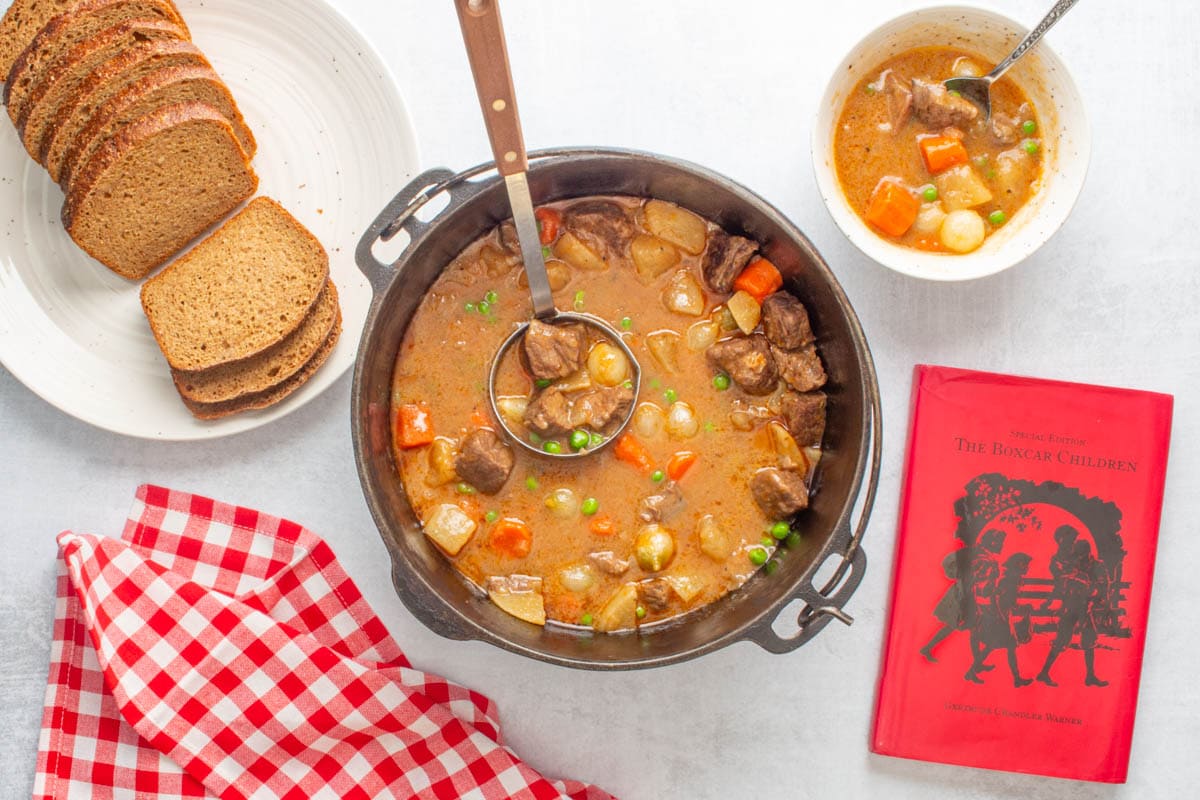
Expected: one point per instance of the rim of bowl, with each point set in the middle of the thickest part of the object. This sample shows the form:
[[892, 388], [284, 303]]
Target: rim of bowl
[[1064, 172]]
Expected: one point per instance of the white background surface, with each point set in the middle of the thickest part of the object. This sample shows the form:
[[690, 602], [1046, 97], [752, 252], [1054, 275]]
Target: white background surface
[[1111, 299]]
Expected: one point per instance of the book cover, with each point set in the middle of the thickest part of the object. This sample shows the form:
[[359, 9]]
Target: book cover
[[1024, 558]]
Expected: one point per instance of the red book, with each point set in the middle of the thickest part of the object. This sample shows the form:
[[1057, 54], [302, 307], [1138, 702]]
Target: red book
[[1024, 558]]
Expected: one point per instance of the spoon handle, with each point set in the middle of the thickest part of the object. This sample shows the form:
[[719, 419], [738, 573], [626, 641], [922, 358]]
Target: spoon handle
[[1054, 15], [483, 35]]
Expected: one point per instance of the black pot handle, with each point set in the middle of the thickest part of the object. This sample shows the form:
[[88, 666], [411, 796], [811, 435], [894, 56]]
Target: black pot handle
[[822, 605], [397, 216]]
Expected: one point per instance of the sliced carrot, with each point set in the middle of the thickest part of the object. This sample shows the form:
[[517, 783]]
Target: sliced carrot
[[893, 209], [759, 279], [630, 450], [414, 425], [602, 525], [479, 419], [942, 152], [680, 463], [550, 221], [511, 537]]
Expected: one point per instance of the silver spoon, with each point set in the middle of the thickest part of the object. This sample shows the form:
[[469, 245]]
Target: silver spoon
[[978, 90], [483, 35]]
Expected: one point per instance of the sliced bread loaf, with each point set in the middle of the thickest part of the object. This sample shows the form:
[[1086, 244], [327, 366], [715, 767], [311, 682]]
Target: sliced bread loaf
[[238, 292], [271, 367], [273, 395], [21, 23], [156, 185], [64, 32], [62, 81], [90, 121]]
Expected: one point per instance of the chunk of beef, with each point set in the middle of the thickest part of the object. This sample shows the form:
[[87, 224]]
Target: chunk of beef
[[1005, 129], [747, 360], [785, 321], [553, 351], [604, 226], [654, 594], [607, 562], [508, 238], [937, 108], [600, 407], [549, 412], [800, 369], [899, 100], [484, 461], [804, 415], [780, 493], [724, 259], [662, 505]]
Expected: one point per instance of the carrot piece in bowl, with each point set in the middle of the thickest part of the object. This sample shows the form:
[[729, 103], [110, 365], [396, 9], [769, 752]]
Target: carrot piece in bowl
[[893, 208]]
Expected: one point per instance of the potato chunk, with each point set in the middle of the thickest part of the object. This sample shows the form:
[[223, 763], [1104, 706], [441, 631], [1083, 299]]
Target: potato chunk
[[449, 527], [578, 254], [686, 587], [652, 256], [683, 294], [519, 595], [961, 187], [669, 221], [714, 541], [620, 612], [442, 453], [746, 311], [664, 346]]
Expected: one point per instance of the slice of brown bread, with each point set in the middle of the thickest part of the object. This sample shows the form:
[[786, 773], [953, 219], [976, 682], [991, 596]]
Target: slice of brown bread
[[238, 292], [65, 31], [268, 369], [269, 397], [62, 81], [155, 186], [89, 122], [21, 23]]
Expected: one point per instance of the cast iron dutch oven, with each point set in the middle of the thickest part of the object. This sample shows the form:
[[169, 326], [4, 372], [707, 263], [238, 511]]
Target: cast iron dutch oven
[[436, 593]]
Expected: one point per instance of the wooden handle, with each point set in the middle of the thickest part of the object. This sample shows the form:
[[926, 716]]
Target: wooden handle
[[483, 35]]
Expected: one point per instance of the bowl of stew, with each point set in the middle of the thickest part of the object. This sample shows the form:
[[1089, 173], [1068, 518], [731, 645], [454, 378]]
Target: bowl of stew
[[917, 178], [754, 424]]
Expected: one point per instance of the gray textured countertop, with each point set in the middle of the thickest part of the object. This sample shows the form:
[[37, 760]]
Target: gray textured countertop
[[1112, 299]]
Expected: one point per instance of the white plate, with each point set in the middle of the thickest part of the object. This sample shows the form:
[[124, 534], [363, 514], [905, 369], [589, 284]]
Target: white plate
[[334, 144]]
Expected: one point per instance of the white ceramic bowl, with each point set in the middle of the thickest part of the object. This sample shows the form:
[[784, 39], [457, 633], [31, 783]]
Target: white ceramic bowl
[[1066, 141]]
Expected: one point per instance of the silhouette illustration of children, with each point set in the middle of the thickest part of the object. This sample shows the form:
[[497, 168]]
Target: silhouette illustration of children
[[984, 578], [995, 626], [1081, 586], [949, 611]]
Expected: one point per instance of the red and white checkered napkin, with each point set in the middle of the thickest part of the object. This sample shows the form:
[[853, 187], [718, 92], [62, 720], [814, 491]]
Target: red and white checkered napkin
[[217, 651]]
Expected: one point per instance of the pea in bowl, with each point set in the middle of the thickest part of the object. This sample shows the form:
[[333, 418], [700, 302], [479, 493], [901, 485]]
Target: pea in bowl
[[916, 178]]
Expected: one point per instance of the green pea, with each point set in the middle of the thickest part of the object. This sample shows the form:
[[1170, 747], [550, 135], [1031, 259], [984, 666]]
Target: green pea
[[542, 383], [641, 612], [579, 440], [670, 395], [491, 297], [579, 300], [721, 382], [997, 217], [1029, 127], [1031, 146], [589, 506], [545, 251], [771, 567], [954, 93], [533, 437], [531, 483], [780, 530], [491, 516], [792, 541], [657, 476], [469, 308], [710, 426], [465, 488], [655, 383], [552, 447], [627, 384], [626, 323], [586, 619], [929, 193], [484, 306], [758, 556], [595, 439], [767, 541]]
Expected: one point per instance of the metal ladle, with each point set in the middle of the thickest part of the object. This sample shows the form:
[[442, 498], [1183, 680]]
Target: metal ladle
[[483, 35], [978, 90]]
